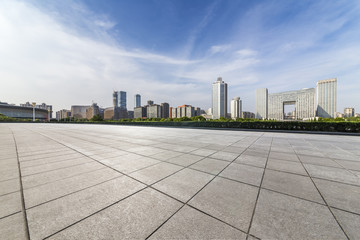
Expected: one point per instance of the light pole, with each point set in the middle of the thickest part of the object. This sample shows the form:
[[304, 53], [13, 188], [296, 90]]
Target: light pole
[[34, 104]]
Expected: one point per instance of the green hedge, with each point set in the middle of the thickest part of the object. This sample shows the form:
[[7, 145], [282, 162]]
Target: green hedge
[[268, 125]]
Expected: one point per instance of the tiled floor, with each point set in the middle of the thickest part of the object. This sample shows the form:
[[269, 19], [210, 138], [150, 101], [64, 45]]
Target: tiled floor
[[114, 182]]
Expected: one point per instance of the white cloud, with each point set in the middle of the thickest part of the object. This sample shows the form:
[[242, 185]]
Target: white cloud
[[219, 48], [45, 62]]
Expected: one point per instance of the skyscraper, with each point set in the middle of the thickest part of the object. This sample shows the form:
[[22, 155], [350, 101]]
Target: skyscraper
[[119, 99], [326, 98], [219, 98], [236, 108], [262, 103], [137, 102]]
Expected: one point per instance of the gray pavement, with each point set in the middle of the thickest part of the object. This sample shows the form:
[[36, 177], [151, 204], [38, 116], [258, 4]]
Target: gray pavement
[[117, 182]]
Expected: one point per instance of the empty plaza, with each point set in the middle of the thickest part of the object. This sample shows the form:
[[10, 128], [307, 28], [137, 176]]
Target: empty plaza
[[83, 181]]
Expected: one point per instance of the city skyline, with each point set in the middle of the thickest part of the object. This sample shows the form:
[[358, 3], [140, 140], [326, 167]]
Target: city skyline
[[170, 51]]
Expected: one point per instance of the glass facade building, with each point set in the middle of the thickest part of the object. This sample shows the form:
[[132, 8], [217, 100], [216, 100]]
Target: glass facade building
[[219, 99], [137, 102], [119, 99], [326, 98]]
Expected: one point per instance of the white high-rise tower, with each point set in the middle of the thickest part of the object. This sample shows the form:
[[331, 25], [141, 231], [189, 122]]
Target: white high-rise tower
[[326, 98], [219, 99], [236, 108]]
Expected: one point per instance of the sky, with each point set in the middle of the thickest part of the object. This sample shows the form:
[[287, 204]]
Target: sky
[[68, 52]]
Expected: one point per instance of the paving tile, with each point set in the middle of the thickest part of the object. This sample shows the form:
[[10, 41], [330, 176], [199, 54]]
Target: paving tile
[[10, 204], [54, 166], [234, 149], [155, 173], [55, 175], [284, 156], [278, 216], [318, 161], [286, 166], [43, 155], [12, 227], [203, 152], [226, 156], [257, 153], [189, 223], [47, 160], [229, 201], [48, 218], [133, 218], [257, 161], [210, 165], [340, 195], [216, 147], [166, 155], [131, 165], [9, 186], [120, 159], [7, 174], [184, 184], [243, 173], [350, 223], [352, 165], [185, 159], [330, 173], [47, 192], [295, 185]]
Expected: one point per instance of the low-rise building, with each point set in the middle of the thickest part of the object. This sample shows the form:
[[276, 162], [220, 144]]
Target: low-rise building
[[92, 111], [64, 113], [248, 114], [78, 111], [185, 111], [349, 112], [153, 111], [140, 112]]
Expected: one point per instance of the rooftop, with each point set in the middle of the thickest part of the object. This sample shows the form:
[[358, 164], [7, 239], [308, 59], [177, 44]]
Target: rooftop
[[114, 182]]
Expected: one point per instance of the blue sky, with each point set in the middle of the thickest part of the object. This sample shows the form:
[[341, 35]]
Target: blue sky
[[74, 52]]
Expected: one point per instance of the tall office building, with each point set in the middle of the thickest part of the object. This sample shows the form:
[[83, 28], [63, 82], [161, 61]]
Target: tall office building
[[119, 99], [219, 98], [326, 98], [262, 103], [236, 108], [137, 102]]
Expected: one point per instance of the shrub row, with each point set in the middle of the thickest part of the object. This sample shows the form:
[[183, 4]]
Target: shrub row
[[269, 125]]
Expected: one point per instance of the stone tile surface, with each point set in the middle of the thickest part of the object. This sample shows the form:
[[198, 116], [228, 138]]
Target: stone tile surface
[[286, 166], [229, 201], [13, 227], [155, 172], [72, 208], [184, 184], [350, 222], [133, 218], [292, 184], [339, 195], [189, 223], [83, 181], [243, 173], [283, 217], [210, 165]]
